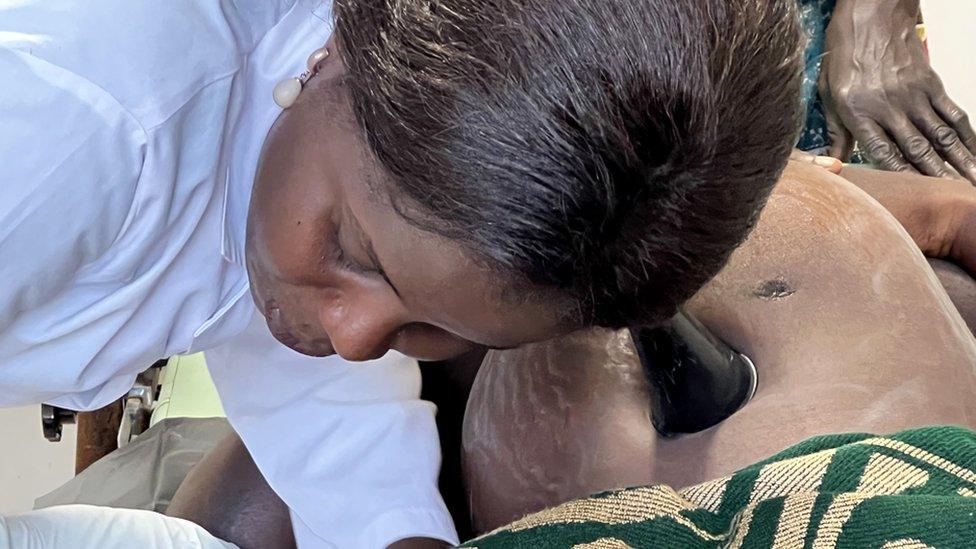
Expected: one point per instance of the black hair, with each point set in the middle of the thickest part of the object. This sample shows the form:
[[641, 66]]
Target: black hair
[[614, 150]]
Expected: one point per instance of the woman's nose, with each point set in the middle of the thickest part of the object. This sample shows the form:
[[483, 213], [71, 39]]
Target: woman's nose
[[362, 326]]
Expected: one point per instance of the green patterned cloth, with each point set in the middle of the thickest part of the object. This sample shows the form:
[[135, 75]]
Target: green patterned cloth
[[912, 490]]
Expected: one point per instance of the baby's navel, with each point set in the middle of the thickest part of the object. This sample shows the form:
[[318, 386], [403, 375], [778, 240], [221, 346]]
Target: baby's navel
[[774, 289]]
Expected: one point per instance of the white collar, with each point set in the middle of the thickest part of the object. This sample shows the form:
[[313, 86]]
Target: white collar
[[281, 54]]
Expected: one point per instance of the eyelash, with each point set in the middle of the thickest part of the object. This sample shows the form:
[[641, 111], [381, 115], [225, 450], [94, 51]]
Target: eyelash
[[343, 261]]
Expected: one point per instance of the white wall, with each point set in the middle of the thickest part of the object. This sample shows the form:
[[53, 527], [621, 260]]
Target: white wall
[[31, 466], [952, 44]]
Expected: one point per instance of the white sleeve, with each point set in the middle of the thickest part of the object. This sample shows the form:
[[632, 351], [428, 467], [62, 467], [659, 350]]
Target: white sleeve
[[92, 527], [349, 447], [70, 161]]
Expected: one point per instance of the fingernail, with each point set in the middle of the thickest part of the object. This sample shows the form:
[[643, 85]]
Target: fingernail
[[826, 161]]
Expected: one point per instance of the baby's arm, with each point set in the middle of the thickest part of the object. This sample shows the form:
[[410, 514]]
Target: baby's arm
[[938, 213]]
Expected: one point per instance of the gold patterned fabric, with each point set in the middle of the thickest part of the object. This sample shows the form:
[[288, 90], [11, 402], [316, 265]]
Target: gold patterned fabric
[[911, 490]]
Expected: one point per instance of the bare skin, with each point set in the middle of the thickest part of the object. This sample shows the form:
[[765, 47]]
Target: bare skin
[[227, 495], [865, 340], [960, 287], [939, 214]]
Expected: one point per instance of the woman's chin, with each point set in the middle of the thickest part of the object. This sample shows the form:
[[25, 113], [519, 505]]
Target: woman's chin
[[318, 348], [322, 347]]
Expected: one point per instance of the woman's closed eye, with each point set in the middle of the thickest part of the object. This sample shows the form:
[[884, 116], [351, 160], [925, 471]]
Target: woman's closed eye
[[356, 253], [347, 261]]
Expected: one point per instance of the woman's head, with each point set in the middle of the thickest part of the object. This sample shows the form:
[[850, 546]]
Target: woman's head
[[519, 168]]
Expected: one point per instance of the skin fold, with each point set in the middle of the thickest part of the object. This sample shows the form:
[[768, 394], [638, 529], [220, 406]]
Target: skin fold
[[866, 339]]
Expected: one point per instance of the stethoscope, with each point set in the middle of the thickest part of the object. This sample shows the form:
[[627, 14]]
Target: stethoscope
[[696, 380]]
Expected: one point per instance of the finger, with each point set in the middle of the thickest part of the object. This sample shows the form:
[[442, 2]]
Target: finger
[[947, 142], [879, 148], [801, 156], [917, 149], [957, 118], [829, 163], [841, 142]]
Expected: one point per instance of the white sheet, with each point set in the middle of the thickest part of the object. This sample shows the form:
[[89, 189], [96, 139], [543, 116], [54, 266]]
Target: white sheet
[[91, 527]]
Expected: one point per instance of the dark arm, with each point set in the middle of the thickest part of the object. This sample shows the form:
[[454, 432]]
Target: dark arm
[[939, 214], [227, 495]]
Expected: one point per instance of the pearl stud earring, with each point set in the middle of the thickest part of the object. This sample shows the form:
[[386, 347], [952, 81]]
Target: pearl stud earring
[[286, 92]]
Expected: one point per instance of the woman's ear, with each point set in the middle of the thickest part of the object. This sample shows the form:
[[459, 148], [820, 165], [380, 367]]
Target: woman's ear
[[332, 65]]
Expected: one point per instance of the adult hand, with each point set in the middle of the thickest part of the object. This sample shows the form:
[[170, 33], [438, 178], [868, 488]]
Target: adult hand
[[879, 89]]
